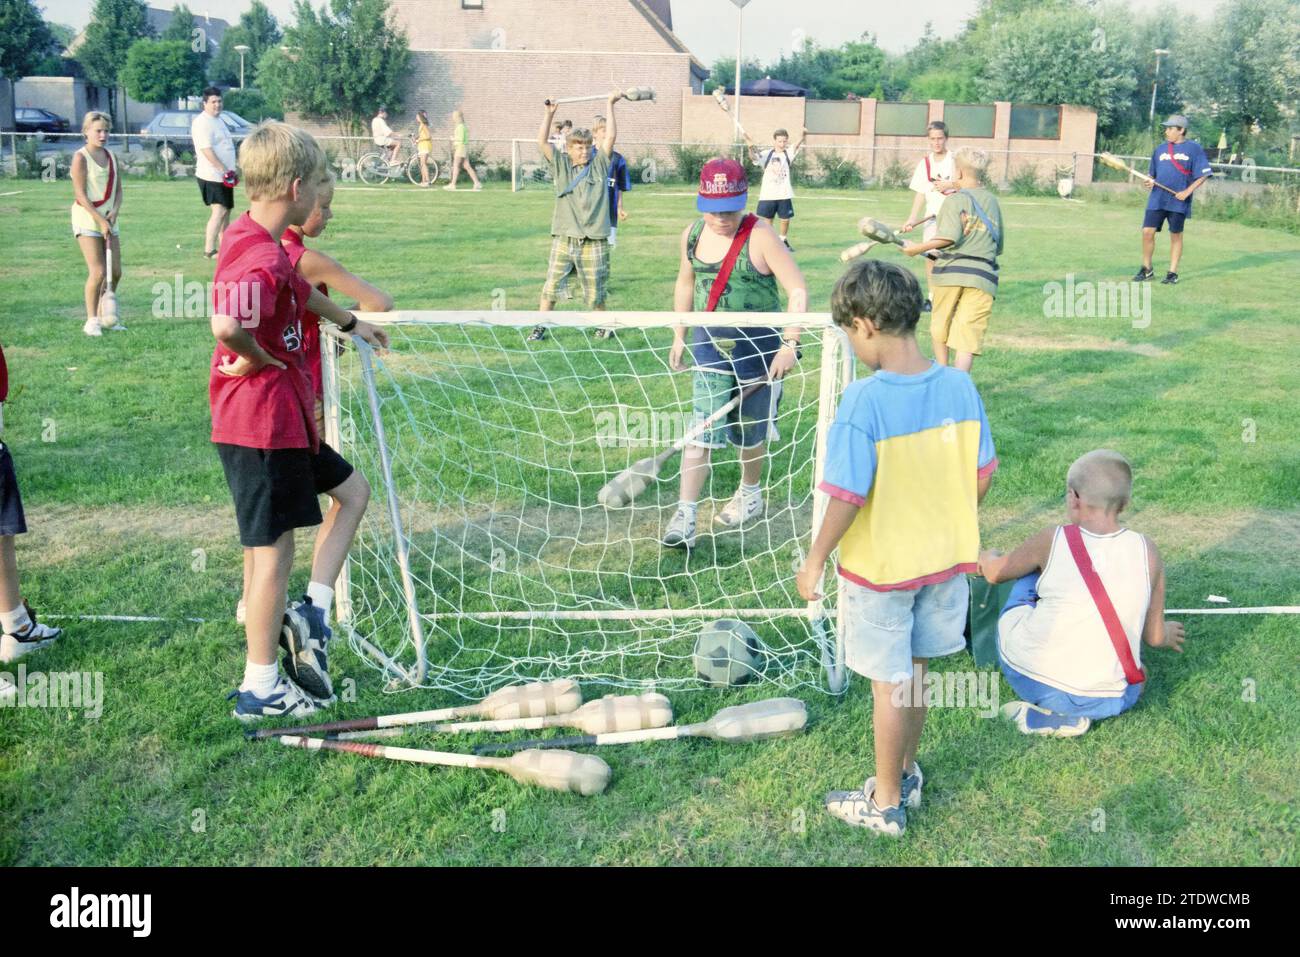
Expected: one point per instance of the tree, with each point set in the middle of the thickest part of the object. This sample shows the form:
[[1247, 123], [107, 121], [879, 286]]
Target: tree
[[25, 40], [183, 27], [1243, 70], [258, 30], [723, 73], [162, 71], [1055, 54], [341, 64], [114, 26]]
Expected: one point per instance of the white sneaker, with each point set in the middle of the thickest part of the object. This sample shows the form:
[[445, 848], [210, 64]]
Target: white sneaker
[[35, 637], [92, 327], [449, 188], [741, 510], [287, 700], [478, 188], [241, 613], [859, 808], [1031, 719], [115, 327], [680, 532]]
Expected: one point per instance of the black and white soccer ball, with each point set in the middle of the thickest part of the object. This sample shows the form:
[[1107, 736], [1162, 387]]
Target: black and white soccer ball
[[727, 653]]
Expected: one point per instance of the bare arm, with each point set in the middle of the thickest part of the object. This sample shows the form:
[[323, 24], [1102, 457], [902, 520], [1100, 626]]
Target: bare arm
[[611, 125], [316, 268], [1156, 632], [543, 141], [982, 485], [683, 301], [327, 308], [212, 158], [839, 516], [231, 333], [1029, 557], [775, 255]]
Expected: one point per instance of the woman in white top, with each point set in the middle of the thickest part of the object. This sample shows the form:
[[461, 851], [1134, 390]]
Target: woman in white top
[[1053, 642], [97, 192]]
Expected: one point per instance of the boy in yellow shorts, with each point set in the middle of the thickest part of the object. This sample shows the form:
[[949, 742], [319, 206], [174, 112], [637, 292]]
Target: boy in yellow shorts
[[965, 279]]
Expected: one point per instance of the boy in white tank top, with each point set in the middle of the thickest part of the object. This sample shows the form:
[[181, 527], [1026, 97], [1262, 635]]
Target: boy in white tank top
[[1054, 645]]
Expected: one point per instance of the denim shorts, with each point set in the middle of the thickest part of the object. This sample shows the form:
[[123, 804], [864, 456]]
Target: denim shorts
[[750, 424], [885, 630]]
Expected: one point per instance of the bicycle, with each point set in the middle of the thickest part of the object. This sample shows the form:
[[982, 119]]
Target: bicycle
[[375, 169]]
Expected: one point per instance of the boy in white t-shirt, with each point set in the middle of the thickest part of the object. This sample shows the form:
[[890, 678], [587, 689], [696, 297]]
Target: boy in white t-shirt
[[214, 165], [1054, 645], [776, 198], [932, 181]]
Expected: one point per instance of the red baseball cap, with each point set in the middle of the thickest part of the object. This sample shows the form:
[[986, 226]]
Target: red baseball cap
[[723, 187]]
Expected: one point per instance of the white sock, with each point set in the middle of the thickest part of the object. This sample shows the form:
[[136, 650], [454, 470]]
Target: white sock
[[12, 622], [260, 679], [688, 509], [322, 596], [751, 492]]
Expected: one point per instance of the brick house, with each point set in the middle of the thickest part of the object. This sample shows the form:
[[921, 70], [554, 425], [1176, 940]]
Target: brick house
[[497, 60]]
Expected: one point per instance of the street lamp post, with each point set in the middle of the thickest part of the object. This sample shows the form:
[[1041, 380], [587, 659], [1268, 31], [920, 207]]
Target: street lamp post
[[1155, 83], [241, 49], [740, 22]]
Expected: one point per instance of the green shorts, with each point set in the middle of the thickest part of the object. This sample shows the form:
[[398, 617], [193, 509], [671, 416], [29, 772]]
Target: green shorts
[[751, 424], [587, 258]]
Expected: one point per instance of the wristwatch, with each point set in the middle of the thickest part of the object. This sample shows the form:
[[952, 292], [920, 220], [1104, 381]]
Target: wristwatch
[[348, 327], [792, 343]]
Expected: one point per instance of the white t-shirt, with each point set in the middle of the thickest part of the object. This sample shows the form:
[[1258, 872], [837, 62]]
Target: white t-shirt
[[380, 130], [210, 132], [921, 182], [776, 173]]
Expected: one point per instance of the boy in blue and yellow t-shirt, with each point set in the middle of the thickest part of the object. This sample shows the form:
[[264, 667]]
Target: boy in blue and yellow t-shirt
[[908, 459]]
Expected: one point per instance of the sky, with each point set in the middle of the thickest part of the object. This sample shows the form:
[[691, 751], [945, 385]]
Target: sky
[[708, 27]]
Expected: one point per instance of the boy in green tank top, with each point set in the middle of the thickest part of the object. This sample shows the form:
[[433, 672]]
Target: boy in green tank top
[[964, 281], [727, 359]]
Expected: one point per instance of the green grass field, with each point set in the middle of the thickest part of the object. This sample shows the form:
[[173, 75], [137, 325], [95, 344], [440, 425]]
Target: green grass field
[[130, 515]]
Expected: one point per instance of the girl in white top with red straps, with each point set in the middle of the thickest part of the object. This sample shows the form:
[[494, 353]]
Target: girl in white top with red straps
[[97, 189], [1087, 595]]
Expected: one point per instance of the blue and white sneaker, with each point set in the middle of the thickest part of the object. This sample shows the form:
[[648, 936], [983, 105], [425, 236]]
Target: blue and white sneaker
[[912, 782], [859, 808], [1031, 719], [305, 640], [287, 700], [33, 637]]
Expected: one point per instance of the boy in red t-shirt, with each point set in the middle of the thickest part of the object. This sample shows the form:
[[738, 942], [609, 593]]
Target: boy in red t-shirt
[[262, 416], [350, 498], [20, 632]]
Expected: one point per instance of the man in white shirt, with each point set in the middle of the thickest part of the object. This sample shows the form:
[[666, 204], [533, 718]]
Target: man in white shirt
[[776, 198], [214, 165], [932, 181], [383, 134]]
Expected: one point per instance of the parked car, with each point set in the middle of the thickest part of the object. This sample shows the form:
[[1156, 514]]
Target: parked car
[[170, 129], [30, 119]]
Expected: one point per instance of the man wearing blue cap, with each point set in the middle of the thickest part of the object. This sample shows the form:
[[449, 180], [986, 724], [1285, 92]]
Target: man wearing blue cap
[[1182, 166]]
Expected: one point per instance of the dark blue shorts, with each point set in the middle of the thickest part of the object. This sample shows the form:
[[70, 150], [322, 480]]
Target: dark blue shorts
[[12, 521], [1155, 218], [775, 209]]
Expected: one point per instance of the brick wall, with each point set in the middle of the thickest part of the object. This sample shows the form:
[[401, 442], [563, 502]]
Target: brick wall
[[704, 122]]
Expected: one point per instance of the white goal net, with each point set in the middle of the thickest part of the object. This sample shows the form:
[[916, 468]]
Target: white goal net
[[485, 558]]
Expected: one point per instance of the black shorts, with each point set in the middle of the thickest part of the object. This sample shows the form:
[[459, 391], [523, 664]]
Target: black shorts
[[12, 521], [1155, 218], [217, 194], [275, 489], [776, 208]]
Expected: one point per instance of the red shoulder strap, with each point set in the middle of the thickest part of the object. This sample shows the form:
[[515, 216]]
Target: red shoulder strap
[[928, 174], [112, 179], [729, 263], [1074, 538], [1177, 165]]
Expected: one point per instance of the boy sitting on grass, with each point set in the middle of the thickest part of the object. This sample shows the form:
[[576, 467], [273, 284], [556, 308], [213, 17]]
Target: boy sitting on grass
[[908, 459], [263, 422], [1055, 645], [728, 359], [20, 632], [580, 223], [349, 499], [965, 279]]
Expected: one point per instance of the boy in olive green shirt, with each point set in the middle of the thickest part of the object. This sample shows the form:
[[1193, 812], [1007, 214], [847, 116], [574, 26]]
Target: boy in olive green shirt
[[580, 223], [965, 279]]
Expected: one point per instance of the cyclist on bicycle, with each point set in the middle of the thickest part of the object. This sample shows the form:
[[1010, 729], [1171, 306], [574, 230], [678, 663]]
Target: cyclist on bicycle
[[384, 136]]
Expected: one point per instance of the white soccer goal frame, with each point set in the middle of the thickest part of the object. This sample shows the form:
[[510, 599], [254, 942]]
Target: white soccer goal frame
[[837, 370]]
